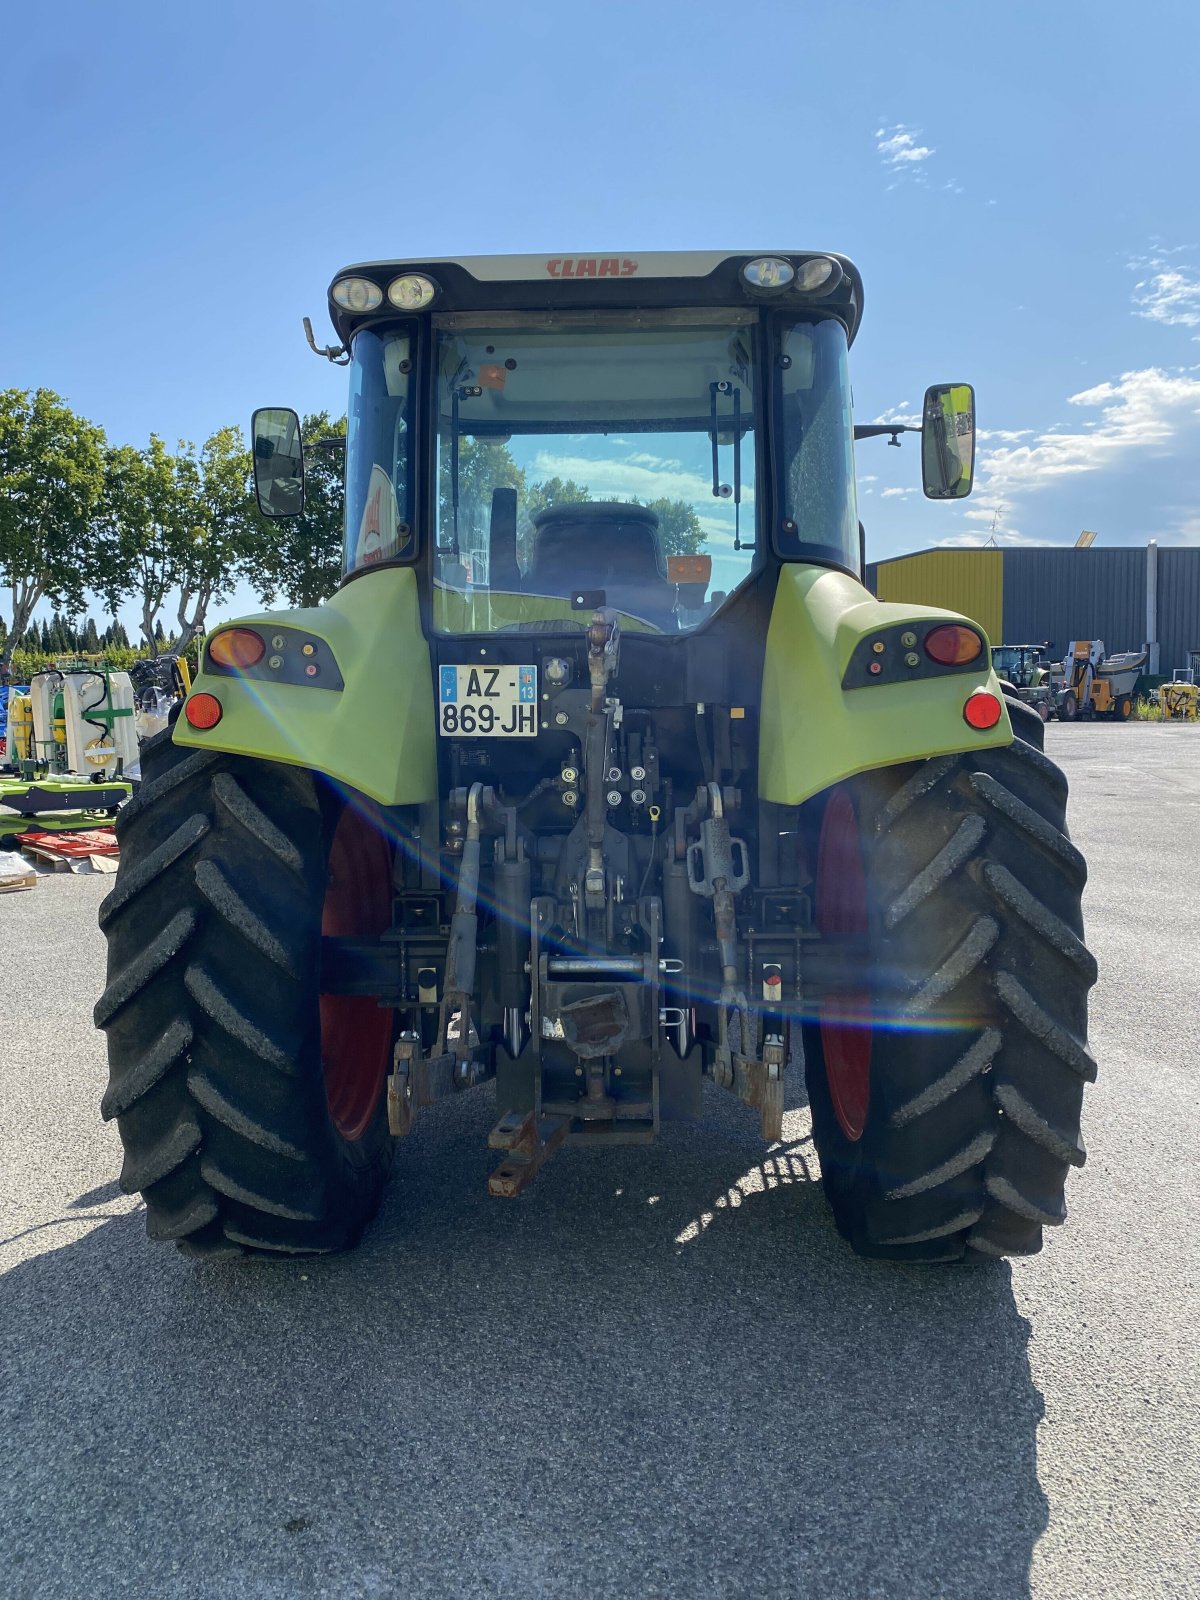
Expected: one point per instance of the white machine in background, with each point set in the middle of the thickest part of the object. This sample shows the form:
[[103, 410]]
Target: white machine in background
[[83, 721]]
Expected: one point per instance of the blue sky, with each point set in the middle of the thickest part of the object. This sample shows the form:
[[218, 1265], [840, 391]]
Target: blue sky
[[1017, 184]]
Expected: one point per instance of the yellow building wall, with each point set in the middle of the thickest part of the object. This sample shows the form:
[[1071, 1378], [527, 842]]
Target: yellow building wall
[[970, 581]]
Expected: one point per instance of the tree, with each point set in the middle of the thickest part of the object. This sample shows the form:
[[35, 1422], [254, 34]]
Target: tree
[[554, 492], [143, 528], [51, 478], [301, 557], [540, 497], [218, 521], [678, 527], [175, 522]]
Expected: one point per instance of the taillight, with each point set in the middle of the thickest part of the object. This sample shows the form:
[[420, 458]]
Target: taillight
[[237, 647], [982, 710], [952, 645], [202, 711]]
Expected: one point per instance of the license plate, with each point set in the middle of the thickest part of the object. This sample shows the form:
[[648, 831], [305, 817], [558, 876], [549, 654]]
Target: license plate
[[488, 702]]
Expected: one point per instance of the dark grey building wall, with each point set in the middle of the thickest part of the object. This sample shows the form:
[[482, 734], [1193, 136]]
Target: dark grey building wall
[[1178, 607], [1062, 595]]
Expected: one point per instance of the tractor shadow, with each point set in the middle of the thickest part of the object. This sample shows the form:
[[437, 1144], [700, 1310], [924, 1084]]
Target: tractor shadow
[[660, 1372]]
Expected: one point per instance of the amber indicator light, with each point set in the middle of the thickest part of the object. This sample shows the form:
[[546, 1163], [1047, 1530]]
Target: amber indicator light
[[203, 711], [237, 647], [982, 710], [952, 646]]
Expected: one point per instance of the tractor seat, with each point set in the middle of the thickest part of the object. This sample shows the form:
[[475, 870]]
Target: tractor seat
[[601, 544]]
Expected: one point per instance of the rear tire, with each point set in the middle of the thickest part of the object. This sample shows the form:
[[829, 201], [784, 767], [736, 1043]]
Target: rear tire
[[221, 1081], [978, 993], [1068, 708]]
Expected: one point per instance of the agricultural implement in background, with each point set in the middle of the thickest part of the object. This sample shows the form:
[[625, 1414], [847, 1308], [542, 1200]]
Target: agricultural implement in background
[[1025, 668], [69, 743], [1098, 685], [601, 775], [1180, 699]]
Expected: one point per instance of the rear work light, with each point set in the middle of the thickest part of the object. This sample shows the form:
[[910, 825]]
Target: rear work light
[[202, 711], [819, 275], [356, 294], [769, 272], [952, 645], [237, 647], [982, 710], [412, 292]]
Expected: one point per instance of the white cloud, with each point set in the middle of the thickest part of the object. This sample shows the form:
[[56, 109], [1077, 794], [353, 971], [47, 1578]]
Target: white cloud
[[1169, 292], [869, 477], [898, 147], [968, 539], [890, 494], [1142, 412], [646, 476], [1005, 435], [902, 413], [1185, 529]]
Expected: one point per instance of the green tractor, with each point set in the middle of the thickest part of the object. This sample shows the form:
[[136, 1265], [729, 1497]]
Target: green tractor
[[600, 775]]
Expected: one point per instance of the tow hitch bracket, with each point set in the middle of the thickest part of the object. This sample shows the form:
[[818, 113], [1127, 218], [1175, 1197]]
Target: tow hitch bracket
[[419, 1080], [530, 1141]]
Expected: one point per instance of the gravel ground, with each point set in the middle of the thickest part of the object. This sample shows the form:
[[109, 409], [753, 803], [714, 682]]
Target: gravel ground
[[659, 1373]]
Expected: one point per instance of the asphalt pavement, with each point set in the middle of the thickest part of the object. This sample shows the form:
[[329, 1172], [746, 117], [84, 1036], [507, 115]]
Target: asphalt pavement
[[661, 1372]]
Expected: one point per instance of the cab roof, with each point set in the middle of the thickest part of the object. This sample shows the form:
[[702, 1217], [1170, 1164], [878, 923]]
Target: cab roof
[[598, 281]]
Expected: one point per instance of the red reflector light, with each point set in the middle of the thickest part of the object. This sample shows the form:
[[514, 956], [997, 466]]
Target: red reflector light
[[952, 645], [982, 710], [237, 647], [202, 711]]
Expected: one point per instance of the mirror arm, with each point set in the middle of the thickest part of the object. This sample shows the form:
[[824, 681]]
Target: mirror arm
[[337, 353], [872, 430]]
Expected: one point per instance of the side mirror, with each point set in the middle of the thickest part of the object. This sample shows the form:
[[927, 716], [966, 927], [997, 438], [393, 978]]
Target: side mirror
[[948, 441], [278, 462]]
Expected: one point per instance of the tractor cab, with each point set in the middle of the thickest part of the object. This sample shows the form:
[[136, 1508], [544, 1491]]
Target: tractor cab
[[647, 434]]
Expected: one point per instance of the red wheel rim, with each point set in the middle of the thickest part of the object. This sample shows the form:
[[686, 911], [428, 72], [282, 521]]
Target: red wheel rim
[[846, 1021], [356, 1033]]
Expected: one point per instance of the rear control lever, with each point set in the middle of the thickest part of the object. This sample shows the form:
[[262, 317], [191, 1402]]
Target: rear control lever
[[604, 646], [459, 983]]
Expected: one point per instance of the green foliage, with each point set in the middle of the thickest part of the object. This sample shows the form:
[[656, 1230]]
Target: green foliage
[[678, 527], [51, 480], [174, 522], [25, 663], [483, 465], [540, 497]]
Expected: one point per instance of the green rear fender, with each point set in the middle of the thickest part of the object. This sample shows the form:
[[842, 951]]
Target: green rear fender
[[376, 734], [814, 732]]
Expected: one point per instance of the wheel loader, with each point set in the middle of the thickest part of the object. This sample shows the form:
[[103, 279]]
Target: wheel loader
[[600, 777]]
